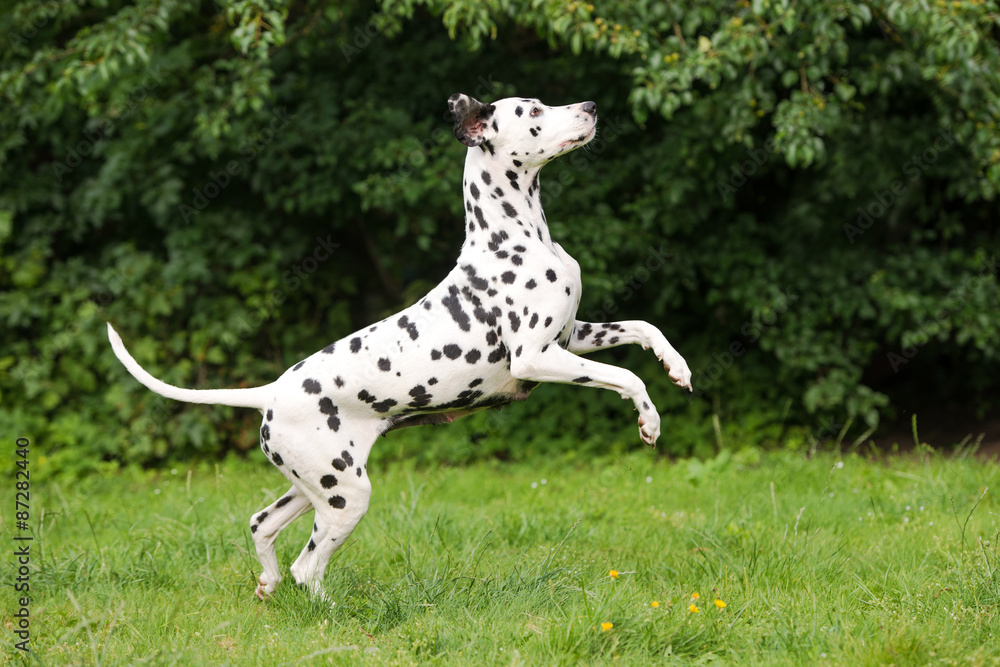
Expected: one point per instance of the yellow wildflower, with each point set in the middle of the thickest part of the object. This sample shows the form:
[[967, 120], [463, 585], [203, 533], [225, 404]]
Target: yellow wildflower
[[606, 626], [693, 609], [613, 574], [654, 604], [695, 596], [720, 604]]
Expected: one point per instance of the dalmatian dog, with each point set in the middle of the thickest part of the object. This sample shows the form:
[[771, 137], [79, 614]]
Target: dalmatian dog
[[501, 322]]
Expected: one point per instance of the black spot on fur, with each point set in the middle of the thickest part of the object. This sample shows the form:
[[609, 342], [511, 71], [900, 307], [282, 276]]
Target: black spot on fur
[[338, 502], [327, 407], [270, 415], [265, 432], [496, 239], [329, 348], [509, 210], [515, 321], [477, 282], [486, 177], [339, 381], [340, 464], [435, 354], [583, 331], [384, 365], [328, 481], [531, 284], [312, 545], [355, 345], [534, 321], [383, 406], [474, 191], [480, 218], [276, 457], [548, 321], [298, 365], [311, 387], [581, 379], [347, 458], [420, 397], [472, 356], [284, 501], [497, 354], [411, 328], [508, 277], [454, 306], [452, 351]]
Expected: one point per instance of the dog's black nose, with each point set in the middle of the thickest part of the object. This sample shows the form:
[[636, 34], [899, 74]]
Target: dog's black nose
[[590, 107]]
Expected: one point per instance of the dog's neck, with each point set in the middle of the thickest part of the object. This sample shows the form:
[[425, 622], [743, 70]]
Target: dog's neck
[[509, 202]]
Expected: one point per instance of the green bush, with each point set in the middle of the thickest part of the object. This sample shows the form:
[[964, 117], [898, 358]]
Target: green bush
[[802, 195]]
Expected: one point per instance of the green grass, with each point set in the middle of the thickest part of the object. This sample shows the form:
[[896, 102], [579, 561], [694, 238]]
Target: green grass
[[820, 560]]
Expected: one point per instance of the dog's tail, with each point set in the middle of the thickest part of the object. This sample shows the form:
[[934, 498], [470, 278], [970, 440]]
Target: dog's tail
[[253, 397]]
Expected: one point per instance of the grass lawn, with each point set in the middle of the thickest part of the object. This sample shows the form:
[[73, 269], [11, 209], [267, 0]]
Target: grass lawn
[[830, 559]]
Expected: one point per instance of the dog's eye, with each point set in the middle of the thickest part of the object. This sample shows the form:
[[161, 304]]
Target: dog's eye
[[535, 111]]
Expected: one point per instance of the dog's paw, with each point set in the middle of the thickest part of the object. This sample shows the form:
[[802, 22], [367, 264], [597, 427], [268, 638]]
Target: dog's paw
[[678, 370], [263, 591], [649, 428]]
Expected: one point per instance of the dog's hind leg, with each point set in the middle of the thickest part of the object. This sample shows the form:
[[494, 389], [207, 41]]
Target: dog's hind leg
[[340, 491], [265, 526]]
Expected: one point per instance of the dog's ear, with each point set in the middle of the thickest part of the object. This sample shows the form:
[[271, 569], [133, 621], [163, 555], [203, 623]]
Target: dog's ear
[[471, 119]]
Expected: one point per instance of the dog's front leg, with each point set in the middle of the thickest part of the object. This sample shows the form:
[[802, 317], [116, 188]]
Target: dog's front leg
[[588, 337], [558, 365]]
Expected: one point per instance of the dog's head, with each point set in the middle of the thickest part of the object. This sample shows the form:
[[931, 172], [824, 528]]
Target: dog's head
[[524, 129]]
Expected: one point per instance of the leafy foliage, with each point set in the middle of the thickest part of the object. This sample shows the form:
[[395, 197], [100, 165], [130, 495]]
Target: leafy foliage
[[801, 194]]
